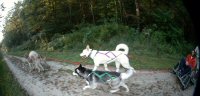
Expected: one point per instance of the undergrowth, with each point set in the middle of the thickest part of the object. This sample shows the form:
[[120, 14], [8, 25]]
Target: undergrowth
[[9, 85]]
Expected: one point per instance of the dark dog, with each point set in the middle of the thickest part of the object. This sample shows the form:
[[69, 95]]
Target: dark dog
[[114, 79]]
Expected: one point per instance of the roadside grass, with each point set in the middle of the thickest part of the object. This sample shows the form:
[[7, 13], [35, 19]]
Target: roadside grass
[[8, 84], [153, 63], [138, 59]]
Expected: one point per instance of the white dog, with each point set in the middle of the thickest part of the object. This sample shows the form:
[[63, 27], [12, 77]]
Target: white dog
[[119, 56], [36, 59]]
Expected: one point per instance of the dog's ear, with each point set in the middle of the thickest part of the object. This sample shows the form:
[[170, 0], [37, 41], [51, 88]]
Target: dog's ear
[[81, 68], [87, 47], [80, 65]]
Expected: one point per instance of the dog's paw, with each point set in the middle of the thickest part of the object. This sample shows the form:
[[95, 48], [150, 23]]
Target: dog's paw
[[117, 70], [127, 90], [113, 91], [86, 87], [134, 71], [75, 74]]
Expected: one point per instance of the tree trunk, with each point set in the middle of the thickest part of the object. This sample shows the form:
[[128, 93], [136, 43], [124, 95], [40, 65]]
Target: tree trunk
[[116, 12], [124, 13], [120, 10], [92, 12], [82, 11], [137, 14]]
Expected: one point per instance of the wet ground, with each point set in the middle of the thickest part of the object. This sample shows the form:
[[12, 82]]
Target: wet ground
[[59, 81]]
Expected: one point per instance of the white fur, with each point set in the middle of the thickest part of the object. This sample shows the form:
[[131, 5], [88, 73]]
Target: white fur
[[127, 74], [122, 46], [36, 60], [74, 74], [106, 57]]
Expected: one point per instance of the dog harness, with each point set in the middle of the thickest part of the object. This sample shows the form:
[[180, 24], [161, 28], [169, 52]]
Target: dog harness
[[102, 75], [108, 54]]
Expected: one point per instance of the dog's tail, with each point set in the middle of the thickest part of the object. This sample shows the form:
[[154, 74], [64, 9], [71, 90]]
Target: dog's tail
[[122, 47], [127, 74]]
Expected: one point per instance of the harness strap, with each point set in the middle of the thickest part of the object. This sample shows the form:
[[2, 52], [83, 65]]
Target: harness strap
[[108, 55], [96, 53], [113, 54], [105, 54], [90, 53], [102, 75]]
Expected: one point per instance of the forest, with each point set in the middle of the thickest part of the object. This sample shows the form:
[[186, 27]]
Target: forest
[[158, 33], [161, 26]]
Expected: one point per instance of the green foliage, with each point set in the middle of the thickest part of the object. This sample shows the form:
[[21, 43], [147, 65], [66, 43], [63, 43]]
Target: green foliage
[[165, 42], [67, 24], [13, 39], [8, 84], [28, 45], [101, 35], [56, 43], [94, 35]]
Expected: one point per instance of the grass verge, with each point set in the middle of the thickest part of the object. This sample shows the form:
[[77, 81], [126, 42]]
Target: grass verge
[[8, 84], [138, 59]]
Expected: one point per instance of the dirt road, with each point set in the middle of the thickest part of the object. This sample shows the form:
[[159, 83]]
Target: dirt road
[[59, 81]]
